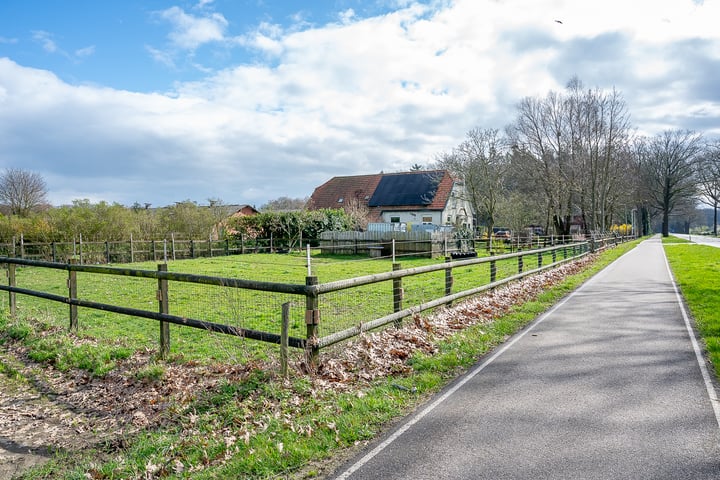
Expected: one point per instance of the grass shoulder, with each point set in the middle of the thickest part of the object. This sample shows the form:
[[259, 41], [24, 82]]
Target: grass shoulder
[[696, 269]]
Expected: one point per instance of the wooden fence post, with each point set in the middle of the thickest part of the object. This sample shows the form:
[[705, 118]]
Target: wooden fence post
[[520, 263], [80, 250], [132, 250], [72, 294], [397, 293], [107, 251], [163, 307], [12, 283], [192, 249], [312, 320], [449, 280], [493, 271], [54, 252], [284, 334], [540, 259]]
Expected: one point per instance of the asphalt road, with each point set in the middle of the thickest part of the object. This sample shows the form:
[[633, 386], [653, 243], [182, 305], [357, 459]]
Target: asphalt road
[[701, 239], [609, 384]]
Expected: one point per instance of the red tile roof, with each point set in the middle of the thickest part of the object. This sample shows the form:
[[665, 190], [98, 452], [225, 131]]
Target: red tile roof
[[339, 190], [336, 192]]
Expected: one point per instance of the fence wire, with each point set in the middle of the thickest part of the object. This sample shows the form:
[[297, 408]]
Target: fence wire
[[248, 308]]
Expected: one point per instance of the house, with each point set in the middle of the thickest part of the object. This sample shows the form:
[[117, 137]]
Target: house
[[241, 210], [413, 199], [231, 211]]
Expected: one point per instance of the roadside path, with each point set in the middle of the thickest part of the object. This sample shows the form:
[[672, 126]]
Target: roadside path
[[609, 384], [700, 239]]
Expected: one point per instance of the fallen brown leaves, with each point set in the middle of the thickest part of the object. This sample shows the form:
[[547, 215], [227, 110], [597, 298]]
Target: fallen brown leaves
[[385, 353]]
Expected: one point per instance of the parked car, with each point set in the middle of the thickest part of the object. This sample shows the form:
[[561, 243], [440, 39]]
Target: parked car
[[502, 233]]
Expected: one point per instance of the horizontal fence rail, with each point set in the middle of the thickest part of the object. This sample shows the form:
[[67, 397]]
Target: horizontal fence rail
[[333, 311], [373, 244], [133, 250]]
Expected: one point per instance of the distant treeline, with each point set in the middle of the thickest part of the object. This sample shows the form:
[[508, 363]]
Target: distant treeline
[[105, 222]]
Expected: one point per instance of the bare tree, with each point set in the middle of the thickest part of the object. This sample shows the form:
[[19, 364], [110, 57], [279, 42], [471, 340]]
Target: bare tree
[[574, 146], [481, 161], [708, 175], [538, 139], [358, 212], [284, 204], [23, 191], [599, 126], [667, 165]]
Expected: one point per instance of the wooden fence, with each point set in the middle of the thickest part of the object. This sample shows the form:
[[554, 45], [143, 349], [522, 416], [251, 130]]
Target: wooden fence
[[313, 292], [131, 251], [434, 244]]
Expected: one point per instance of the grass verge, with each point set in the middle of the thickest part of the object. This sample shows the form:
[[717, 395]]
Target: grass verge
[[263, 427], [697, 272]]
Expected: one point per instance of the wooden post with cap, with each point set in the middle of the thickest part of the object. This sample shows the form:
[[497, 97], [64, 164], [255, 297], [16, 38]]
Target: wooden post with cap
[[312, 321]]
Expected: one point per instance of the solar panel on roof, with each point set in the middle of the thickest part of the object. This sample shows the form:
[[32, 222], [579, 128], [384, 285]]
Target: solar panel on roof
[[406, 189]]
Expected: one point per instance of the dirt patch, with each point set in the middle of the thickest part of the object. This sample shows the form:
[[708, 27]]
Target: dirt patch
[[44, 411], [35, 423]]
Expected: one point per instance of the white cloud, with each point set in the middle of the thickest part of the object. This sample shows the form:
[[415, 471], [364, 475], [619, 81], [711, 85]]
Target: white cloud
[[189, 31], [203, 3], [46, 40], [347, 16], [161, 56], [356, 96], [85, 52]]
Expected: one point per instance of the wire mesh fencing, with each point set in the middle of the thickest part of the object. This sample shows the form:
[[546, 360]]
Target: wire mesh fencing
[[322, 300]]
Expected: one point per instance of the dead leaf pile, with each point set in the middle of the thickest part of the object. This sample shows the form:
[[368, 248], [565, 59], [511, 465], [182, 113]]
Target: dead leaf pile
[[385, 353]]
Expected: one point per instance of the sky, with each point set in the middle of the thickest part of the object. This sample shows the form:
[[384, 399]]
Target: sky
[[246, 101]]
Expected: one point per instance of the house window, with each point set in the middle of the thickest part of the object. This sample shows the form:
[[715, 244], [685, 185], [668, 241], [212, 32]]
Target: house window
[[394, 219], [427, 221], [340, 200]]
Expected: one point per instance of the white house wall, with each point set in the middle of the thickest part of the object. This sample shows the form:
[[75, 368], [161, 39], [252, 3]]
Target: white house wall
[[414, 218], [458, 207]]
